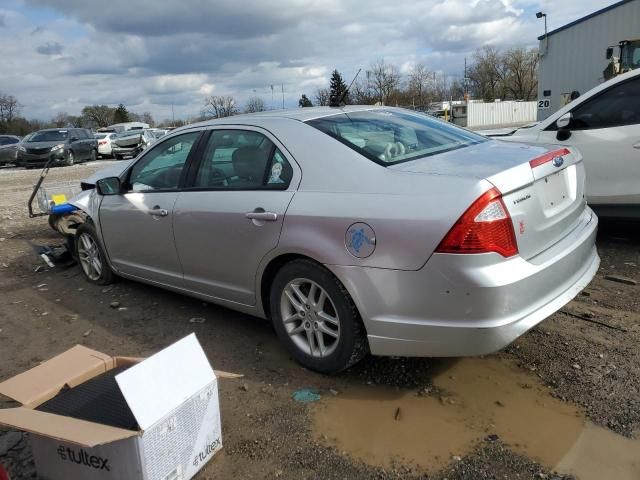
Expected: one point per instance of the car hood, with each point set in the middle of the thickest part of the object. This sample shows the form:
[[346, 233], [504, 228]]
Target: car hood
[[111, 171], [478, 161]]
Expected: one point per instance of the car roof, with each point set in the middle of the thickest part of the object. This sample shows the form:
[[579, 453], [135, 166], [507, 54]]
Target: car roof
[[299, 114]]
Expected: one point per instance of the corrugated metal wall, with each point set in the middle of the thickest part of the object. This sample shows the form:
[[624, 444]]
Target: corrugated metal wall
[[576, 57], [500, 113]]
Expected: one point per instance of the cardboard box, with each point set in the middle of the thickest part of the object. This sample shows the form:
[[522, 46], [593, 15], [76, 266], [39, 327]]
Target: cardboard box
[[173, 396]]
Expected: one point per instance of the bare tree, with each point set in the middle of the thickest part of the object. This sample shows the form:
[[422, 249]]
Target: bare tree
[[420, 84], [148, 118], [322, 97], [9, 108], [521, 66], [219, 106], [384, 78], [361, 93], [98, 115], [487, 74], [254, 104], [60, 120]]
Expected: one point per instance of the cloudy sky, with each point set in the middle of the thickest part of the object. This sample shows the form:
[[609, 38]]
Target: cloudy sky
[[59, 55]]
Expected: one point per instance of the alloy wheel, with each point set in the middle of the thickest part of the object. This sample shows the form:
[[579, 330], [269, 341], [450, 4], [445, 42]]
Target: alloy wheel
[[90, 257], [310, 317]]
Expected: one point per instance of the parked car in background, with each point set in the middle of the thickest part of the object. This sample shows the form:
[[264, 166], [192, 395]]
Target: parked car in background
[[354, 230], [604, 124], [131, 142], [123, 127], [8, 148], [64, 146], [104, 143], [158, 132]]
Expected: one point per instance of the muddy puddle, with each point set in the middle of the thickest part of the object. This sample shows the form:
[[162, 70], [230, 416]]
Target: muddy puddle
[[473, 398]]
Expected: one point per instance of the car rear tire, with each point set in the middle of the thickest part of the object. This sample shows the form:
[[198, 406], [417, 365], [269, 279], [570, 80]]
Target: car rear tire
[[91, 256], [70, 159], [315, 318]]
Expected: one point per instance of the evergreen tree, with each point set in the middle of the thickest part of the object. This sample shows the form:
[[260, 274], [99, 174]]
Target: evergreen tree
[[304, 101], [337, 87], [121, 115]]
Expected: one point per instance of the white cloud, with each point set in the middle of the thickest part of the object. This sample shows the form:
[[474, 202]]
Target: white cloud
[[176, 54]]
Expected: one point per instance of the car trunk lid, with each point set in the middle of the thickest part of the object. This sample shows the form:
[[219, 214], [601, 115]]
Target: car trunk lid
[[542, 186]]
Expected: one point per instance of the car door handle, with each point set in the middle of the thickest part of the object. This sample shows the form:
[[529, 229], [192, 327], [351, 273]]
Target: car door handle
[[158, 212], [264, 216], [637, 145]]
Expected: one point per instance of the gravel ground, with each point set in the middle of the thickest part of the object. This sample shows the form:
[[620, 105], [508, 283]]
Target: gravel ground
[[265, 433]]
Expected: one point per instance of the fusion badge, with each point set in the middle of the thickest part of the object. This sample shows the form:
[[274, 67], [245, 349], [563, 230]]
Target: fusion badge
[[360, 240]]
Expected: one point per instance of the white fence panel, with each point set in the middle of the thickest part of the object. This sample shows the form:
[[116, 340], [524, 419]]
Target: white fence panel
[[500, 113]]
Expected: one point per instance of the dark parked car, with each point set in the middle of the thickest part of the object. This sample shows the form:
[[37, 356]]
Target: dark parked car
[[65, 146], [8, 148]]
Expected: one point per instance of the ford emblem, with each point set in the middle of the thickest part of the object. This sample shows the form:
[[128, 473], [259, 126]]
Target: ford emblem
[[557, 161]]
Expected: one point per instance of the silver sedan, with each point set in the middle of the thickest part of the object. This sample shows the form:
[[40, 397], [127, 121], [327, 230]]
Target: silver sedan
[[353, 230]]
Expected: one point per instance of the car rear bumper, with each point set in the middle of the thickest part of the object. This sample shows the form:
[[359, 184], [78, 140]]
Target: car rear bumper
[[104, 150], [462, 305], [124, 150]]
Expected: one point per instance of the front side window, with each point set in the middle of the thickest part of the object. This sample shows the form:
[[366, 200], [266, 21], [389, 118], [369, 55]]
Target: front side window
[[161, 168], [388, 137], [617, 106], [242, 160]]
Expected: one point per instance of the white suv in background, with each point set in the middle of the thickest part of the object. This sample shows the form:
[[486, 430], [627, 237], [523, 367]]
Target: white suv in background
[[604, 124], [104, 143]]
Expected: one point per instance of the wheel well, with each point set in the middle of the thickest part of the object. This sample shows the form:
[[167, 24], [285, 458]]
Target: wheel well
[[269, 274]]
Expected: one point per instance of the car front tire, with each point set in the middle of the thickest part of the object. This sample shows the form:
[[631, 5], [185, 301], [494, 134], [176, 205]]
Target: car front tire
[[69, 159], [315, 318], [91, 256]]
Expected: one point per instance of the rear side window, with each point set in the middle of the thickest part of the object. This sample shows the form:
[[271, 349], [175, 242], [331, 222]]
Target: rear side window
[[8, 140], [617, 106], [242, 160], [388, 137]]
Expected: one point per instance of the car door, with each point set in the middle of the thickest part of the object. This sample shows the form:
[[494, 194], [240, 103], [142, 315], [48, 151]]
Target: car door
[[233, 212], [137, 225], [76, 139], [606, 130]]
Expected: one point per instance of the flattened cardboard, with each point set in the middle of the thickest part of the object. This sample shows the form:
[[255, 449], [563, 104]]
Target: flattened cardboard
[[79, 432], [44, 381], [177, 372]]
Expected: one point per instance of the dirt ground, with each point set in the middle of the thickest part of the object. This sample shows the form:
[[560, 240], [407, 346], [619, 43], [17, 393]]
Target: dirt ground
[[585, 357]]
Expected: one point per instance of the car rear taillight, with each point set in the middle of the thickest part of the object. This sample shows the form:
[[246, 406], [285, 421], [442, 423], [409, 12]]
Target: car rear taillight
[[547, 157], [485, 227], [102, 142]]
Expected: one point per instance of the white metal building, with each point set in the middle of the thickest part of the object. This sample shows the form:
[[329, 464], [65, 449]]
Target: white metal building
[[573, 57]]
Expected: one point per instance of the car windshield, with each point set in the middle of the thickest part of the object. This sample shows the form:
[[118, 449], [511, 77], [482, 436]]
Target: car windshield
[[389, 136], [49, 136]]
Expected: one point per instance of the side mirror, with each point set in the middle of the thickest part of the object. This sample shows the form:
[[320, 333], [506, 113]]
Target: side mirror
[[564, 121], [108, 186], [609, 53]]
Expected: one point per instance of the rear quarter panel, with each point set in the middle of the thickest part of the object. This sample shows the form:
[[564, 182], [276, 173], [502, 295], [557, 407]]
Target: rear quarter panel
[[409, 212]]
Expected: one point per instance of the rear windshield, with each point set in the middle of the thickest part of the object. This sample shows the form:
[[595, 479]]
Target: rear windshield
[[49, 136], [99, 135], [389, 136]]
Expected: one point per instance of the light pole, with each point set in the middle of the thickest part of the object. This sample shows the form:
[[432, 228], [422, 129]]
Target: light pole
[[546, 37]]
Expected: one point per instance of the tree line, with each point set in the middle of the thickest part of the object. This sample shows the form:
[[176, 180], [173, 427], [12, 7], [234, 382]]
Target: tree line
[[492, 74], [91, 116]]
